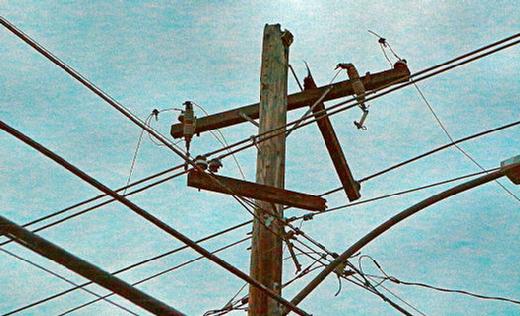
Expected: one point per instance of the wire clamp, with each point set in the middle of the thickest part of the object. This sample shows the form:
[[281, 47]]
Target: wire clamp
[[361, 124]]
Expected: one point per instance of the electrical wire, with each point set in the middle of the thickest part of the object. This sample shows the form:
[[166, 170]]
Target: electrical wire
[[136, 120], [94, 207], [500, 128], [97, 197], [132, 266], [428, 153], [127, 113], [449, 66], [46, 270], [398, 193], [383, 44], [401, 299], [223, 142], [155, 275], [466, 154], [134, 158], [148, 216], [395, 280], [393, 167], [311, 215]]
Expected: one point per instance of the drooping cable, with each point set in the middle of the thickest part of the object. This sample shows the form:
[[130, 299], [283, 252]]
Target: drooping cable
[[466, 154], [49, 271], [132, 266], [395, 280], [155, 275]]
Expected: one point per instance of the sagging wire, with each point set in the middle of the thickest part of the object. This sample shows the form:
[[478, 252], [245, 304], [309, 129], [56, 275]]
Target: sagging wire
[[385, 44], [393, 279], [237, 304], [40, 267], [452, 140], [223, 142], [147, 122], [229, 306]]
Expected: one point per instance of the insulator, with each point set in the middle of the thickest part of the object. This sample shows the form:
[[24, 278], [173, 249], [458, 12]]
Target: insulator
[[200, 161], [214, 164]]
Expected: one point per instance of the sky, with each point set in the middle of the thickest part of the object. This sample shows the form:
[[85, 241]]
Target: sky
[[158, 54]]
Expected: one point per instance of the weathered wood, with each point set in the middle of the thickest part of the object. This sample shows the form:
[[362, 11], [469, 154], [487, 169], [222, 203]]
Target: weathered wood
[[226, 185], [511, 168], [297, 100], [266, 248], [350, 185]]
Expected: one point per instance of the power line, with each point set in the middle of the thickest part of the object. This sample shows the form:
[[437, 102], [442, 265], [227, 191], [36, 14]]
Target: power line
[[134, 158], [443, 127], [46, 270], [159, 274], [393, 167], [402, 192], [394, 220], [399, 193], [97, 197], [92, 208], [148, 216], [430, 152], [129, 115], [449, 65], [132, 266], [401, 299], [398, 281], [156, 134]]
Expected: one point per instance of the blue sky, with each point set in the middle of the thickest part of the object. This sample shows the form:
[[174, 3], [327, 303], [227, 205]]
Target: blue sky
[[158, 54]]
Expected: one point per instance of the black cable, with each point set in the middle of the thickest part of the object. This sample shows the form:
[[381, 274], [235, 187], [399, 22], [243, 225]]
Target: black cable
[[398, 281], [272, 133], [428, 153], [466, 154], [311, 215], [97, 197], [159, 274], [125, 111], [480, 296], [40, 267], [94, 207], [138, 122], [127, 268]]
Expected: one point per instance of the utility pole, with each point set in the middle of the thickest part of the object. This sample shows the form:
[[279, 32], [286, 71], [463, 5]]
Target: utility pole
[[266, 250]]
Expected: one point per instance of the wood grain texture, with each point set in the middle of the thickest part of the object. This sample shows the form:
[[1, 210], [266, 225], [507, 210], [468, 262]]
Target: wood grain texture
[[266, 250], [350, 185], [226, 185], [296, 100]]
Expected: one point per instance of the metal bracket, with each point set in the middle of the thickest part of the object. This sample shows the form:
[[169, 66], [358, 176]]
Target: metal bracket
[[360, 124], [247, 118]]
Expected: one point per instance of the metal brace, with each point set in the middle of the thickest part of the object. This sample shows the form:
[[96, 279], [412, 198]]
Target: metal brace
[[360, 124], [247, 118], [290, 247]]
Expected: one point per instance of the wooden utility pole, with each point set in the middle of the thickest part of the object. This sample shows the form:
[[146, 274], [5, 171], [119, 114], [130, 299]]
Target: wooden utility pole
[[266, 250]]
